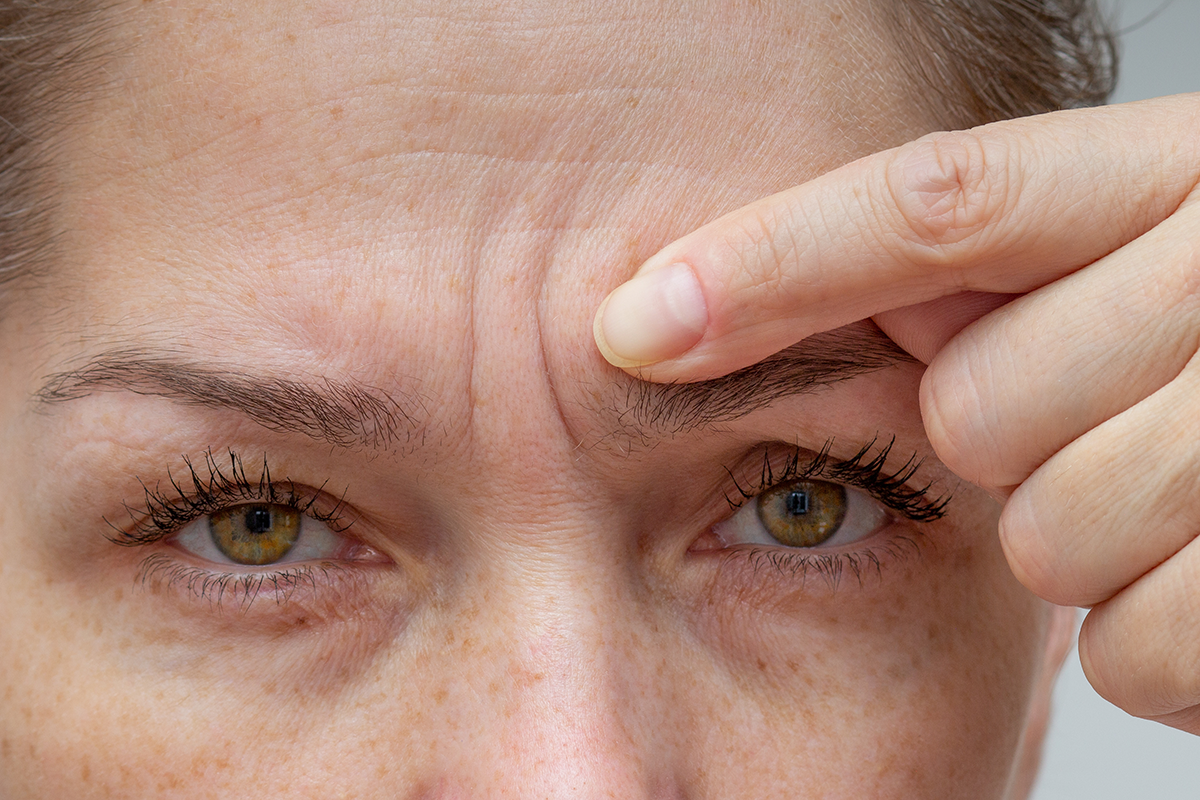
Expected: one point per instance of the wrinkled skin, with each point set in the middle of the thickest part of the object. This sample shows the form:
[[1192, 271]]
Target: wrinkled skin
[[1045, 269], [431, 202]]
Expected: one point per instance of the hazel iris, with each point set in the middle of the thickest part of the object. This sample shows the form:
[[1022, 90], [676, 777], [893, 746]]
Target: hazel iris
[[803, 513], [255, 534]]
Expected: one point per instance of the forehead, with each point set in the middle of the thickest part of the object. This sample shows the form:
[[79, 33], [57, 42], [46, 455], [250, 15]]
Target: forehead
[[440, 193]]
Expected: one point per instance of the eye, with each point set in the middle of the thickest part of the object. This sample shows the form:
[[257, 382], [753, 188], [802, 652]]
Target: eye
[[804, 514], [261, 534]]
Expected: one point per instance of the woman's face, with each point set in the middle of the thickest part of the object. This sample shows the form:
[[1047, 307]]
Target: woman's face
[[316, 485]]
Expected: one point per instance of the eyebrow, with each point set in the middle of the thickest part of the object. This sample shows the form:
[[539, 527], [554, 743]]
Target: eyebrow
[[346, 414], [819, 361]]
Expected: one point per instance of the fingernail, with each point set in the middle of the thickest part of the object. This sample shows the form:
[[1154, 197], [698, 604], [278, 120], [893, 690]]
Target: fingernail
[[654, 317]]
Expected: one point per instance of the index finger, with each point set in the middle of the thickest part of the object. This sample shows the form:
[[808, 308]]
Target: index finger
[[1003, 208]]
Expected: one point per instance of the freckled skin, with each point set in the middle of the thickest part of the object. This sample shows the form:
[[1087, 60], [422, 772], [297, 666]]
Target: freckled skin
[[433, 206]]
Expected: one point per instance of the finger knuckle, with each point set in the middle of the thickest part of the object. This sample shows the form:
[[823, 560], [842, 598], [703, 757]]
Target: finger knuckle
[[1099, 656], [1041, 545], [1140, 650], [1175, 283], [949, 189], [958, 416]]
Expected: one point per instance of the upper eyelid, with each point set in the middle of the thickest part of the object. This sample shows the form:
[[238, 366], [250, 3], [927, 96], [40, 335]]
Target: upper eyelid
[[893, 488], [163, 512]]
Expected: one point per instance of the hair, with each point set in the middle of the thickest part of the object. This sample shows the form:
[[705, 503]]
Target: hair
[[52, 54], [974, 61], [981, 61]]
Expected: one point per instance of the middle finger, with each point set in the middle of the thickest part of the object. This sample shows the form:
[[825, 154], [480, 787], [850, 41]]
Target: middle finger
[[1024, 381], [1112, 505]]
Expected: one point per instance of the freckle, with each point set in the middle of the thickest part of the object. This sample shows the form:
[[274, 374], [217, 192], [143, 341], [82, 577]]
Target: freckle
[[835, 17], [762, 665], [85, 773], [632, 102], [336, 112], [793, 666], [439, 696]]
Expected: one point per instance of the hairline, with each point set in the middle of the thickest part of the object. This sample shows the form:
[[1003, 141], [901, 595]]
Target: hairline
[[49, 76]]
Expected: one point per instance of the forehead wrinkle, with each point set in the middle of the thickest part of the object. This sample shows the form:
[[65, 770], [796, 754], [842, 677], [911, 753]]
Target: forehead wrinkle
[[655, 410]]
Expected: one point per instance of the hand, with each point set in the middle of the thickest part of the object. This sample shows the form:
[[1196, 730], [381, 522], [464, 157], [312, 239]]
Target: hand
[[1048, 271]]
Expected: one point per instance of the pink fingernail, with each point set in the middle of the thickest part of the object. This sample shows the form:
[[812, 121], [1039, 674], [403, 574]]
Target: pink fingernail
[[656, 316]]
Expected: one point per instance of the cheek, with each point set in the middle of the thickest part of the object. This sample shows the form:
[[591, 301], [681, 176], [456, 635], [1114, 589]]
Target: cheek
[[102, 704], [912, 686], [917, 686]]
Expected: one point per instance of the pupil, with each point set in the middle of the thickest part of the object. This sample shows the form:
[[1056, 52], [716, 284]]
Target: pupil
[[258, 519], [797, 503]]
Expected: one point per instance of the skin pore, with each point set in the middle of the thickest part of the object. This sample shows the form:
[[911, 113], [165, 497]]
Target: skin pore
[[283, 222]]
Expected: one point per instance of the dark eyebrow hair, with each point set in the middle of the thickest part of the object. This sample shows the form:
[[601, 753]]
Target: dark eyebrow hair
[[817, 362], [343, 413], [352, 415]]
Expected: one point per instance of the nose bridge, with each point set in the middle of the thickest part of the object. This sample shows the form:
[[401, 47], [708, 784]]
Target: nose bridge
[[568, 730], [562, 696]]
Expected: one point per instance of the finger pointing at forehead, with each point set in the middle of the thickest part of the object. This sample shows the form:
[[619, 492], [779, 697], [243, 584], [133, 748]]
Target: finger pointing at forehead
[[1003, 208]]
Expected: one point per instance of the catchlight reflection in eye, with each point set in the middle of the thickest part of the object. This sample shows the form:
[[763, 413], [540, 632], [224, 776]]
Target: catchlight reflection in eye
[[255, 534], [804, 514]]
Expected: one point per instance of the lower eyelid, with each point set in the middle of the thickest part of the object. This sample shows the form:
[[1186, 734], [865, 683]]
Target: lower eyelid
[[273, 601], [771, 574]]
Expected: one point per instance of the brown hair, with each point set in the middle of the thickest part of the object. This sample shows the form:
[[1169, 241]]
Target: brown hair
[[51, 61], [985, 60], [973, 61]]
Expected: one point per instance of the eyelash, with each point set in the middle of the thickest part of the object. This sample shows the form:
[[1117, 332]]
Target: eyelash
[[862, 470], [891, 489], [165, 512], [213, 487]]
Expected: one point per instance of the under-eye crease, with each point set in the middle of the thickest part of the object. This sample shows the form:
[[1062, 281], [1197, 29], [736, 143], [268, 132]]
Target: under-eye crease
[[243, 588]]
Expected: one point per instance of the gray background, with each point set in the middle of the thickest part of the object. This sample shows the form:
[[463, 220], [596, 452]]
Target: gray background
[[1095, 751]]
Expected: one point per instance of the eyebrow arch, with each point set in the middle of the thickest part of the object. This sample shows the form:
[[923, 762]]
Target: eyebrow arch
[[814, 363], [343, 413]]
